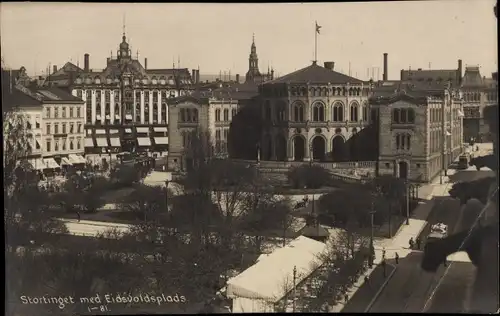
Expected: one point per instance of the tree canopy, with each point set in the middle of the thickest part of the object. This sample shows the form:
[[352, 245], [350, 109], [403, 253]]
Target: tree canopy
[[309, 176]]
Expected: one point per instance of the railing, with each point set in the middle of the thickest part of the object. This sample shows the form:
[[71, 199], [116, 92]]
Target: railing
[[263, 165]]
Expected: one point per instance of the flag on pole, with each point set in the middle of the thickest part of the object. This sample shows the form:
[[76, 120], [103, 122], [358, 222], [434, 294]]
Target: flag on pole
[[318, 27]]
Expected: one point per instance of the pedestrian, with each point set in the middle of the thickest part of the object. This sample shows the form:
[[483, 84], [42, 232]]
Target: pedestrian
[[79, 217], [346, 297], [367, 280], [383, 253], [411, 243], [397, 258]]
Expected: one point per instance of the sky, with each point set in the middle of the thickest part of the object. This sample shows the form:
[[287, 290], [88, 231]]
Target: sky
[[217, 37]]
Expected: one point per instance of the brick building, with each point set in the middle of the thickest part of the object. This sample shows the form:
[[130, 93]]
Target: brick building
[[420, 128], [314, 110]]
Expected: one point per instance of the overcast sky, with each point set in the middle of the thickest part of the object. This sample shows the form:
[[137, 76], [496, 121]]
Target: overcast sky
[[217, 37]]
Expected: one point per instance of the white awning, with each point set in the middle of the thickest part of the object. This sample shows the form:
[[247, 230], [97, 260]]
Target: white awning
[[115, 141], [38, 164], [108, 117], [128, 116], [448, 133], [102, 142], [113, 131], [144, 141], [460, 113], [161, 129], [100, 131], [76, 159], [89, 142], [128, 130], [161, 140], [98, 117], [117, 117], [66, 162], [142, 129], [51, 163]]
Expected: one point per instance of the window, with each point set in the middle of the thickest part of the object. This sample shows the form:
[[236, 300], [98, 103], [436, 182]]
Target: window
[[71, 145], [47, 113], [79, 130], [195, 115], [78, 112], [354, 112], [338, 112], [56, 112], [233, 113], [365, 113], [71, 112], [217, 134], [78, 143], [48, 146], [318, 112], [183, 115], [217, 115], [226, 115], [47, 127], [79, 93], [64, 128], [298, 112], [403, 141], [280, 111], [226, 133], [403, 116], [37, 122], [71, 127], [164, 114], [64, 144], [63, 112], [56, 128], [37, 144]]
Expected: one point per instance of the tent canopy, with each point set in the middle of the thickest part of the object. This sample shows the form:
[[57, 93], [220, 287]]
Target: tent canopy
[[272, 276]]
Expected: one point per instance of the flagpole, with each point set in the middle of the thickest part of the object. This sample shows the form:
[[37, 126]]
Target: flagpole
[[316, 42]]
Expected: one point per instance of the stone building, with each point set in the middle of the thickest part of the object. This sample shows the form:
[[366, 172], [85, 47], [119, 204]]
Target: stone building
[[478, 92], [420, 128], [125, 103], [202, 112], [313, 113]]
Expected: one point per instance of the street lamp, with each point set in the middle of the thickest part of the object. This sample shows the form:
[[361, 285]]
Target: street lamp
[[407, 201], [166, 193]]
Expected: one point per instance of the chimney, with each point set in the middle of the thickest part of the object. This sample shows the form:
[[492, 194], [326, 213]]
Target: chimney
[[54, 69], [145, 63], [108, 60], [86, 63], [459, 71], [329, 65], [237, 78], [193, 75], [385, 75], [197, 76]]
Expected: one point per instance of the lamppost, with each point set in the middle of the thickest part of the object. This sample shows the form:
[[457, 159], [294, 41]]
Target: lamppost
[[166, 193], [294, 287], [407, 182], [258, 153]]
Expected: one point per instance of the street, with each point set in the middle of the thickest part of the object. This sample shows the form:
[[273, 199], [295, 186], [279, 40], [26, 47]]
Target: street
[[411, 289]]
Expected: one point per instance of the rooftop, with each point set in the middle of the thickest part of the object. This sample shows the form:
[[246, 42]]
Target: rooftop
[[315, 74]]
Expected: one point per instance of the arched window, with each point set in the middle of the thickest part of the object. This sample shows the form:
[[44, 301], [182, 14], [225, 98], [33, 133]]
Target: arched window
[[365, 113], [339, 91], [398, 141], [226, 115], [411, 116], [396, 114], [354, 112], [298, 112], [195, 115], [338, 112], [164, 113], [318, 112], [217, 115]]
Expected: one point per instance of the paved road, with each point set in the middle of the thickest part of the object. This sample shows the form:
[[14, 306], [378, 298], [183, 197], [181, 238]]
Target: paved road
[[410, 289]]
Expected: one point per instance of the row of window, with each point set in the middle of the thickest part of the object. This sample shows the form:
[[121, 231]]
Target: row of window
[[436, 115], [403, 116], [128, 94], [472, 96], [71, 129], [163, 80], [63, 112], [61, 144], [325, 92], [129, 110], [435, 141], [403, 141], [318, 113], [226, 115], [188, 115], [220, 132]]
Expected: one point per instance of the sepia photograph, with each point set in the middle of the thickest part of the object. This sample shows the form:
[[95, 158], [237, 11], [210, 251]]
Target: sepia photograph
[[216, 158]]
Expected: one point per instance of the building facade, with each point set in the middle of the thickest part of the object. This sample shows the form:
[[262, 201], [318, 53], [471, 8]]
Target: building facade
[[420, 131], [478, 92], [54, 123], [313, 113], [204, 113], [126, 103]]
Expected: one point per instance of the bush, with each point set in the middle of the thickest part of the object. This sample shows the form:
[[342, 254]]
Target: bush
[[309, 176]]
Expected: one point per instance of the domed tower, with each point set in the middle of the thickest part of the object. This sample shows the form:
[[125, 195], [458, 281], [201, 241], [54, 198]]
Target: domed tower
[[124, 50], [253, 72]]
